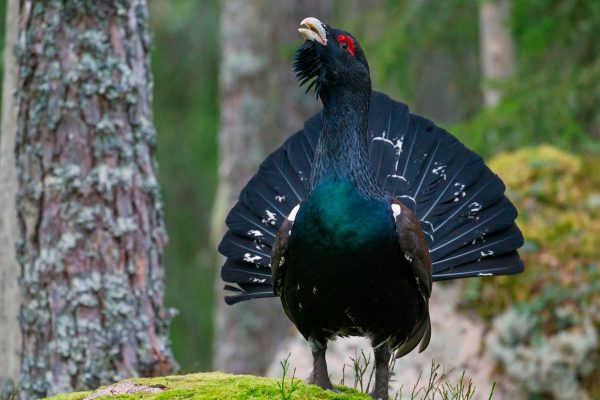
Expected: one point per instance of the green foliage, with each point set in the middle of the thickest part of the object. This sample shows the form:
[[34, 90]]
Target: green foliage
[[286, 391], [2, 33], [422, 52], [555, 94], [557, 196], [437, 384], [556, 298], [8, 392], [360, 365], [185, 66], [427, 54]]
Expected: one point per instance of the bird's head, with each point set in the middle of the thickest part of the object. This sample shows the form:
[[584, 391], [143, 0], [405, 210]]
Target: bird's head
[[330, 59]]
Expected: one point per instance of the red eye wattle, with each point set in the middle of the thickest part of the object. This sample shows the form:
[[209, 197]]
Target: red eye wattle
[[346, 43]]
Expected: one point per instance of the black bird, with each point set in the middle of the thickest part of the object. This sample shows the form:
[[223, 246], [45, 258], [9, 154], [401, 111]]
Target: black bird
[[353, 217]]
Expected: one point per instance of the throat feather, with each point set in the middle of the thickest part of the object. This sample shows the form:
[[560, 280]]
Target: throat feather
[[342, 150]]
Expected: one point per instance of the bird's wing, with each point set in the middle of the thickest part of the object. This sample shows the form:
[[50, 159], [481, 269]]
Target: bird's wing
[[279, 255], [413, 244], [415, 251]]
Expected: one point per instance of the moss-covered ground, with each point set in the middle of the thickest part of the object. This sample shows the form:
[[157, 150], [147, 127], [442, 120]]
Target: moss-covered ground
[[217, 385]]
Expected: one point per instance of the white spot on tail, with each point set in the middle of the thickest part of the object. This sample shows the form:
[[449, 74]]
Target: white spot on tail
[[251, 259], [255, 233], [460, 191], [439, 170], [394, 176], [280, 198], [485, 274], [271, 219], [474, 207]]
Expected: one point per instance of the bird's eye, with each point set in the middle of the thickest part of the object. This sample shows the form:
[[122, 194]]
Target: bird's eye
[[346, 43]]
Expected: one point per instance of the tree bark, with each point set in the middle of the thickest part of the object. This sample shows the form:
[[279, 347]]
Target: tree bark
[[10, 339], [260, 106], [497, 47], [88, 205]]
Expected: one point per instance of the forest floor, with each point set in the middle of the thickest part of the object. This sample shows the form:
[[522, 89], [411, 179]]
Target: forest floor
[[213, 385]]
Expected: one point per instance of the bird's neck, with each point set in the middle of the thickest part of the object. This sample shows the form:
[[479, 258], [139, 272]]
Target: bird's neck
[[342, 150]]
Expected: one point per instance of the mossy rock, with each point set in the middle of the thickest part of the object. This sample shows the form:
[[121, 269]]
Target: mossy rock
[[557, 195], [213, 385]]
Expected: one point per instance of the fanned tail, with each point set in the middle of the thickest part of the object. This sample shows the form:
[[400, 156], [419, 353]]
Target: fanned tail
[[467, 219], [279, 185]]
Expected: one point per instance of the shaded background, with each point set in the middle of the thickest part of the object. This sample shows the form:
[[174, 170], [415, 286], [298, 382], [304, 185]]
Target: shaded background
[[427, 54]]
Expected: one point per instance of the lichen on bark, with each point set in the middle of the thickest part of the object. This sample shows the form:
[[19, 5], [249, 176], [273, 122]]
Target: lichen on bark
[[89, 210]]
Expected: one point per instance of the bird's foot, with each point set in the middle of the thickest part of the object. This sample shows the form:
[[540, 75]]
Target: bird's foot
[[322, 382], [379, 394]]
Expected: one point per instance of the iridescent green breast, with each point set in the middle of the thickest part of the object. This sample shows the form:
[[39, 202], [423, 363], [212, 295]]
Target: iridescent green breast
[[337, 216]]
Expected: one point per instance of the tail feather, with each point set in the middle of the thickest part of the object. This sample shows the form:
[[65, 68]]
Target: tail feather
[[300, 148], [243, 222], [467, 220], [282, 178], [458, 200], [269, 206], [239, 248], [506, 264], [241, 272], [244, 292], [475, 228], [467, 204], [499, 243]]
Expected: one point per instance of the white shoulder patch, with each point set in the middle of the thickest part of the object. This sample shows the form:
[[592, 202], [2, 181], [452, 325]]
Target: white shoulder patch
[[396, 210], [292, 215]]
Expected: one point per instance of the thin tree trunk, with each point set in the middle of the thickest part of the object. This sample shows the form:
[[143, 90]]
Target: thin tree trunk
[[10, 339], [88, 206], [497, 47], [260, 106]]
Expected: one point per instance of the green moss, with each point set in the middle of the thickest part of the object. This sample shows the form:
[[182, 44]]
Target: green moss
[[555, 194], [71, 396], [217, 385], [553, 319]]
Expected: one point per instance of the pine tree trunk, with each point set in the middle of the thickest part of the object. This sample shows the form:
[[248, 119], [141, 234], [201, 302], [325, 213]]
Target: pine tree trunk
[[10, 339], [497, 47], [260, 106], [88, 205]]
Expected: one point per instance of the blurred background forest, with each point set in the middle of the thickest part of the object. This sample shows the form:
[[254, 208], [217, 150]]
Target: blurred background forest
[[428, 55]]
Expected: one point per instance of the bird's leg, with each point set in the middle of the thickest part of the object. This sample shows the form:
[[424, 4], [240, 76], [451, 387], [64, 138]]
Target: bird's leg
[[319, 376], [382, 372]]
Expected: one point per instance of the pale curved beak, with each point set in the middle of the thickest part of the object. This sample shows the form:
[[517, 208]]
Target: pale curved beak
[[312, 29]]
